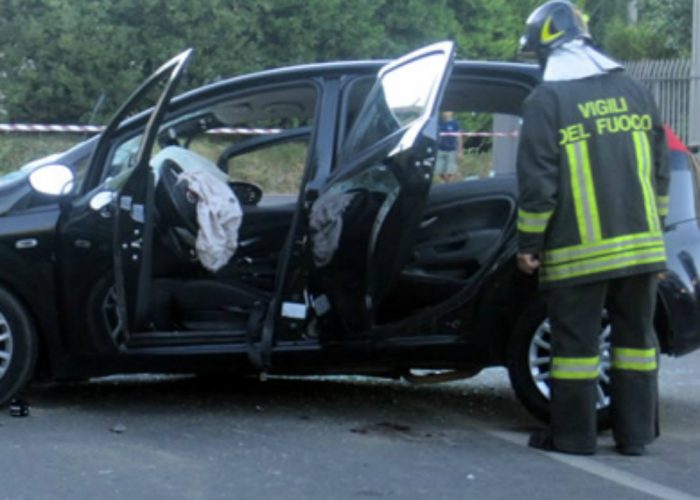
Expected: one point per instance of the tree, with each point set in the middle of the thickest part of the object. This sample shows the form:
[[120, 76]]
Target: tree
[[60, 57]]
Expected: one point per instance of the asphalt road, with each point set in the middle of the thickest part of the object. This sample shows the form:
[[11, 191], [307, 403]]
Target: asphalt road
[[326, 438]]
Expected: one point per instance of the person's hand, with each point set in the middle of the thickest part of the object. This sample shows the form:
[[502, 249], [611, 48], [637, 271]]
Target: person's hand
[[528, 262]]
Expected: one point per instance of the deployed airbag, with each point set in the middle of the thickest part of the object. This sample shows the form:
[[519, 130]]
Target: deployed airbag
[[219, 217], [326, 224]]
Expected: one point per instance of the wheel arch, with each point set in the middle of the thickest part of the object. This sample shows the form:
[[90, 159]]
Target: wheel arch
[[44, 322]]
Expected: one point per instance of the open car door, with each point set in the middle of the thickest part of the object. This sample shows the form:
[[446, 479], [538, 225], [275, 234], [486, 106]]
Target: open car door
[[133, 229], [364, 220]]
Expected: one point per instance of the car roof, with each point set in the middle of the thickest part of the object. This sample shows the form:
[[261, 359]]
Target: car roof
[[527, 73]]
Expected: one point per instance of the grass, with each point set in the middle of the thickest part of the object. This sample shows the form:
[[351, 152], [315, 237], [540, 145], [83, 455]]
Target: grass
[[277, 169], [20, 148]]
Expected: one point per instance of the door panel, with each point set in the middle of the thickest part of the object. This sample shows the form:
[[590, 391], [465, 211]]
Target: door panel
[[364, 221], [456, 239]]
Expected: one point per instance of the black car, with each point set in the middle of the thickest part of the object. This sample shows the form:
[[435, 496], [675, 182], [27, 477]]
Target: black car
[[362, 267]]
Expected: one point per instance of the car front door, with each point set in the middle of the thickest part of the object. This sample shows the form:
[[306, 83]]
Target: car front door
[[364, 220], [134, 217]]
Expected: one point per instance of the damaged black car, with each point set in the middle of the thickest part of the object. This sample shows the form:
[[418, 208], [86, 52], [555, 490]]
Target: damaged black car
[[287, 222]]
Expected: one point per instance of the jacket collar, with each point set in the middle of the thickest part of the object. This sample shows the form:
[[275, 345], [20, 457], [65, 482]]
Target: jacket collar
[[576, 60]]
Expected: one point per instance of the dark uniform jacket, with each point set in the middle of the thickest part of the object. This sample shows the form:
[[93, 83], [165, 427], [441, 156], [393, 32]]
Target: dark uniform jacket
[[593, 180]]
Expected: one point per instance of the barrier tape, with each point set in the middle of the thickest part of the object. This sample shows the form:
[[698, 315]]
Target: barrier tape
[[96, 129], [513, 133]]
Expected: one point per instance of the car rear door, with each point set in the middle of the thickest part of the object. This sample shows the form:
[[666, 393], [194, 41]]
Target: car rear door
[[365, 217]]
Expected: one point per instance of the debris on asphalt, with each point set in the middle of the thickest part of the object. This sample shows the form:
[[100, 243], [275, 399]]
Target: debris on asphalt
[[19, 408], [383, 428], [118, 429]]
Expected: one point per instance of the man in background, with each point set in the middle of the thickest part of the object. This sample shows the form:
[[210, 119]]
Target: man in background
[[449, 147]]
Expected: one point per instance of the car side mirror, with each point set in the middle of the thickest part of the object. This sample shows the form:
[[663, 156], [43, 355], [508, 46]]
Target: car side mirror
[[53, 179]]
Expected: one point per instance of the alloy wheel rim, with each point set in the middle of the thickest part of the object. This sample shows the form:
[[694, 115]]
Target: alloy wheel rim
[[6, 345], [539, 361]]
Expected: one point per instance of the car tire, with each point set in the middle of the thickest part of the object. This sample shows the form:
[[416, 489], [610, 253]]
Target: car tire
[[528, 363], [18, 347]]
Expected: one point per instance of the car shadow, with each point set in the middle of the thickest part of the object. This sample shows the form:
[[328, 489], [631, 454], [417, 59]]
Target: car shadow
[[388, 404]]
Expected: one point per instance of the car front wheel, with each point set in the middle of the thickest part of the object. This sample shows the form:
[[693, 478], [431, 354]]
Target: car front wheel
[[529, 363], [18, 346]]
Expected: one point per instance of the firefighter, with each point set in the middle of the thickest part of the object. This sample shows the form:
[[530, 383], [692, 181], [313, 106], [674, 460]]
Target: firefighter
[[593, 183]]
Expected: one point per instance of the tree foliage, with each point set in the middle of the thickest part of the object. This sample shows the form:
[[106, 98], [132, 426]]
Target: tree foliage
[[663, 29], [60, 58]]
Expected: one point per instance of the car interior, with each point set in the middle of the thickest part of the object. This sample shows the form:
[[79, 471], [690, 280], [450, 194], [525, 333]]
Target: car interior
[[184, 295], [462, 228]]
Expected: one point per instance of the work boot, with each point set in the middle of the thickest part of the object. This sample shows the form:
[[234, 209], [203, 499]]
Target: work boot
[[630, 450], [542, 440]]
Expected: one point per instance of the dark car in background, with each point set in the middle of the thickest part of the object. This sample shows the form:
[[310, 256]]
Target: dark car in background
[[363, 266]]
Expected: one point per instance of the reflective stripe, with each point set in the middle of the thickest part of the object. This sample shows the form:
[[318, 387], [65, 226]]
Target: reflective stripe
[[662, 205], [601, 264], [634, 359], [532, 222], [583, 192], [575, 368], [643, 153], [607, 246]]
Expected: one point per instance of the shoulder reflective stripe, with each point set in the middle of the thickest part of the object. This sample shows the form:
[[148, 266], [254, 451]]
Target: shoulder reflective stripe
[[643, 153], [634, 359], [532, 222], [638, 241], [575, 368], [602, 264], [662, 205], [583, 191]]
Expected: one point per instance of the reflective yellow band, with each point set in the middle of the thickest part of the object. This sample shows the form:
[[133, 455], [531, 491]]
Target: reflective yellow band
[[634, 359], [643, 153], [638, 241], [533, 222], [662, 205], [602, 264], [583, 191], [575, 368]]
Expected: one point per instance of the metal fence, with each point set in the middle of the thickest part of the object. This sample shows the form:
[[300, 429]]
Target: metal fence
[[669, 82]]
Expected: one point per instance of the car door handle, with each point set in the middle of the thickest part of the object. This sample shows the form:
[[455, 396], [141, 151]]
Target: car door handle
[[27, 243], [428, 222], [248, 242]]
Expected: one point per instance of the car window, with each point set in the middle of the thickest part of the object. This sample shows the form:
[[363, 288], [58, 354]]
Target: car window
[[475, 145], [240, 134], [392, 105], [276, 167], [487, 111]]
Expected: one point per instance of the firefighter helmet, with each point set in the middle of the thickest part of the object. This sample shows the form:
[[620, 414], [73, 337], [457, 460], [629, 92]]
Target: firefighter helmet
[[550, 26]]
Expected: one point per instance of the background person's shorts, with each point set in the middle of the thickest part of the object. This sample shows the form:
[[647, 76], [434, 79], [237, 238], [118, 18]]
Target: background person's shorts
[[446, 163]]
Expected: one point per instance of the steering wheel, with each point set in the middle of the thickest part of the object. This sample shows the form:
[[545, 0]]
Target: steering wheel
[[174, 205]]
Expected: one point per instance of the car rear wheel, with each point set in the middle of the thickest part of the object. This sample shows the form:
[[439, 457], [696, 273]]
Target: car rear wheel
[[529, 363], [18, 347]]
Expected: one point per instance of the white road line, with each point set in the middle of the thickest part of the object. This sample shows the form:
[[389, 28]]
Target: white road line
[[599, 469]]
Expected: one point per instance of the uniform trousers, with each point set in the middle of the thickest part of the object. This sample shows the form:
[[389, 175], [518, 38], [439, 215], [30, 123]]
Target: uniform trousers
[[575, 314]]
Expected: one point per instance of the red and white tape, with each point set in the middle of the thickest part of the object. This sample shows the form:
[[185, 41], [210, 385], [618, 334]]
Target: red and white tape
[[41, 127], [513, 133], [96, 129]]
